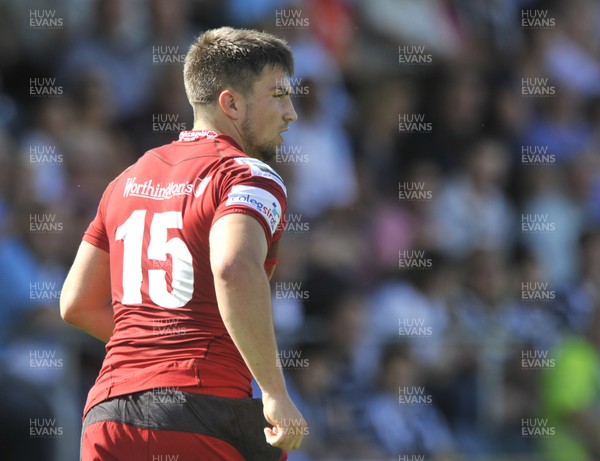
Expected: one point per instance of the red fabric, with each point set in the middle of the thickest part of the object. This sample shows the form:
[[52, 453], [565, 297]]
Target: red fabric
[[111, 441], [334, 23], [153, 346]]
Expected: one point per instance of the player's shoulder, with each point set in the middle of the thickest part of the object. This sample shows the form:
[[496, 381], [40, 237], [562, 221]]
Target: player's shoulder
[[112, 184], [253, 168]]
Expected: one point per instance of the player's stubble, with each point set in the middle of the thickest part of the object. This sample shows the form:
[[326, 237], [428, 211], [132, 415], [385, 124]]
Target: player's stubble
[[265, 151]]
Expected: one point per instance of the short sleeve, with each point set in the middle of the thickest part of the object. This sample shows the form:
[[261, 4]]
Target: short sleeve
[[252, 187], [96, 232]]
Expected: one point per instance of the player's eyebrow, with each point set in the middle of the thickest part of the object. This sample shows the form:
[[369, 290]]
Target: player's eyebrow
[[283, 89]]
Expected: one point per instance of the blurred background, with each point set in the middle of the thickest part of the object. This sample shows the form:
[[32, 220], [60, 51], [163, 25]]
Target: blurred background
[[439, 285]]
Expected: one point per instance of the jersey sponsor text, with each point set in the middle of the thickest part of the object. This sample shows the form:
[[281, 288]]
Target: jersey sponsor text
[[262, 201], [148, 189]]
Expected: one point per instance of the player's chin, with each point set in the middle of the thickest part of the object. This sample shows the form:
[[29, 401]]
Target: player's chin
[[269, 152], [274, 146]]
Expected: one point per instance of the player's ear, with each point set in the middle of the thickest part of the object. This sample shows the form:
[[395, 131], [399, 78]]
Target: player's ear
[[232, 104]]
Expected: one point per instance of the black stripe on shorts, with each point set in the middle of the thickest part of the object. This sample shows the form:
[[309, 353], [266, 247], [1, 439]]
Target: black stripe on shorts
[[239, 422]]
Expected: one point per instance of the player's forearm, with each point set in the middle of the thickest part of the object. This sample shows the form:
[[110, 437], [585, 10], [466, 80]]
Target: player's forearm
[[244, 301], [95, 322], [85, 298]]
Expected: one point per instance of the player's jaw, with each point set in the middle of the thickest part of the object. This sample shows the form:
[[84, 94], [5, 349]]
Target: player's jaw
[[255, 147], [268, 151]]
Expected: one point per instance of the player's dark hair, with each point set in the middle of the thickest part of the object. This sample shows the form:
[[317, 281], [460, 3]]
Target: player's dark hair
[[231, 58]]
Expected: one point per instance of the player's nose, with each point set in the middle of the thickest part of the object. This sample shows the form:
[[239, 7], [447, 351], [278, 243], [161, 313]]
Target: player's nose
[[290, 112]]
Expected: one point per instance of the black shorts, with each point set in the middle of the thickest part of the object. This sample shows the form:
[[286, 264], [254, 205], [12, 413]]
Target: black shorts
[[168, 424]]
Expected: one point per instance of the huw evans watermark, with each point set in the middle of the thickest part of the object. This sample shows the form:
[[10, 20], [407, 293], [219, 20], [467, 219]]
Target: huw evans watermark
[[414, 191], [44, 223], [168, 327], [537, 291], [414, 55], [411, 457], [292, 427], [286, 18], [44, 359], [413, 259], [413, 326], [291, 154], [537, 222], [537, 155], [293, 85], [168, 395], [290, 290], [44, 291], [165, 457], [44, 155], [294, 224], [291, 359], [537, 87], [413, 123], [536, 428], [167, 123], [537, 19], [40, 428], [536, 359], [413, 395], [167, 55], [41, 87], [45, 19]]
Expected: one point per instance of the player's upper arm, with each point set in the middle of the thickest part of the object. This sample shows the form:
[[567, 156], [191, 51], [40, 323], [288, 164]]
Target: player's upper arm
[[87, 286], [237, 243]]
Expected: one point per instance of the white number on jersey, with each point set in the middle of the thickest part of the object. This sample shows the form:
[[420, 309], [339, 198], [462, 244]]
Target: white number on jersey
[[159, 246]]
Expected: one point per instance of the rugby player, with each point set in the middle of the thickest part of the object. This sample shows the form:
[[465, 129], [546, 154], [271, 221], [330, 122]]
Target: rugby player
[[173, 273]]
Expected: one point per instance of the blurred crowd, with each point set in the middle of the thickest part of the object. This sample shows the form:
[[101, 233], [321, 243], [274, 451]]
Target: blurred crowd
[[439, 278]]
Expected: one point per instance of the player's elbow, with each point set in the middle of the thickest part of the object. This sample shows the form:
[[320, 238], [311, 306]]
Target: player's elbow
[[238, 274], [68, 307], [232, 269], [66, 311]]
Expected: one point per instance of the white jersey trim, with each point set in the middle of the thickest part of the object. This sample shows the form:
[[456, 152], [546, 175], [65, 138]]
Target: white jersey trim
[[258, 199], [259, 168]]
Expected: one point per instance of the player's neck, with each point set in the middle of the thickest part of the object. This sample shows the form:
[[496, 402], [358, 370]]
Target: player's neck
[[228, 129]]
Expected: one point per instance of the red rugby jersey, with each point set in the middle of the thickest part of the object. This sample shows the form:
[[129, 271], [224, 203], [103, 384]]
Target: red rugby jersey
[[154, 219]]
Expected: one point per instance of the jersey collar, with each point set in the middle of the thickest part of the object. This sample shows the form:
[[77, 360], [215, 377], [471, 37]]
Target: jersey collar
[[195, 135]]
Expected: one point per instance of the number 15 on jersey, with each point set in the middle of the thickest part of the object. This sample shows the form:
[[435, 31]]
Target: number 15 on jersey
[[159, 246]]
